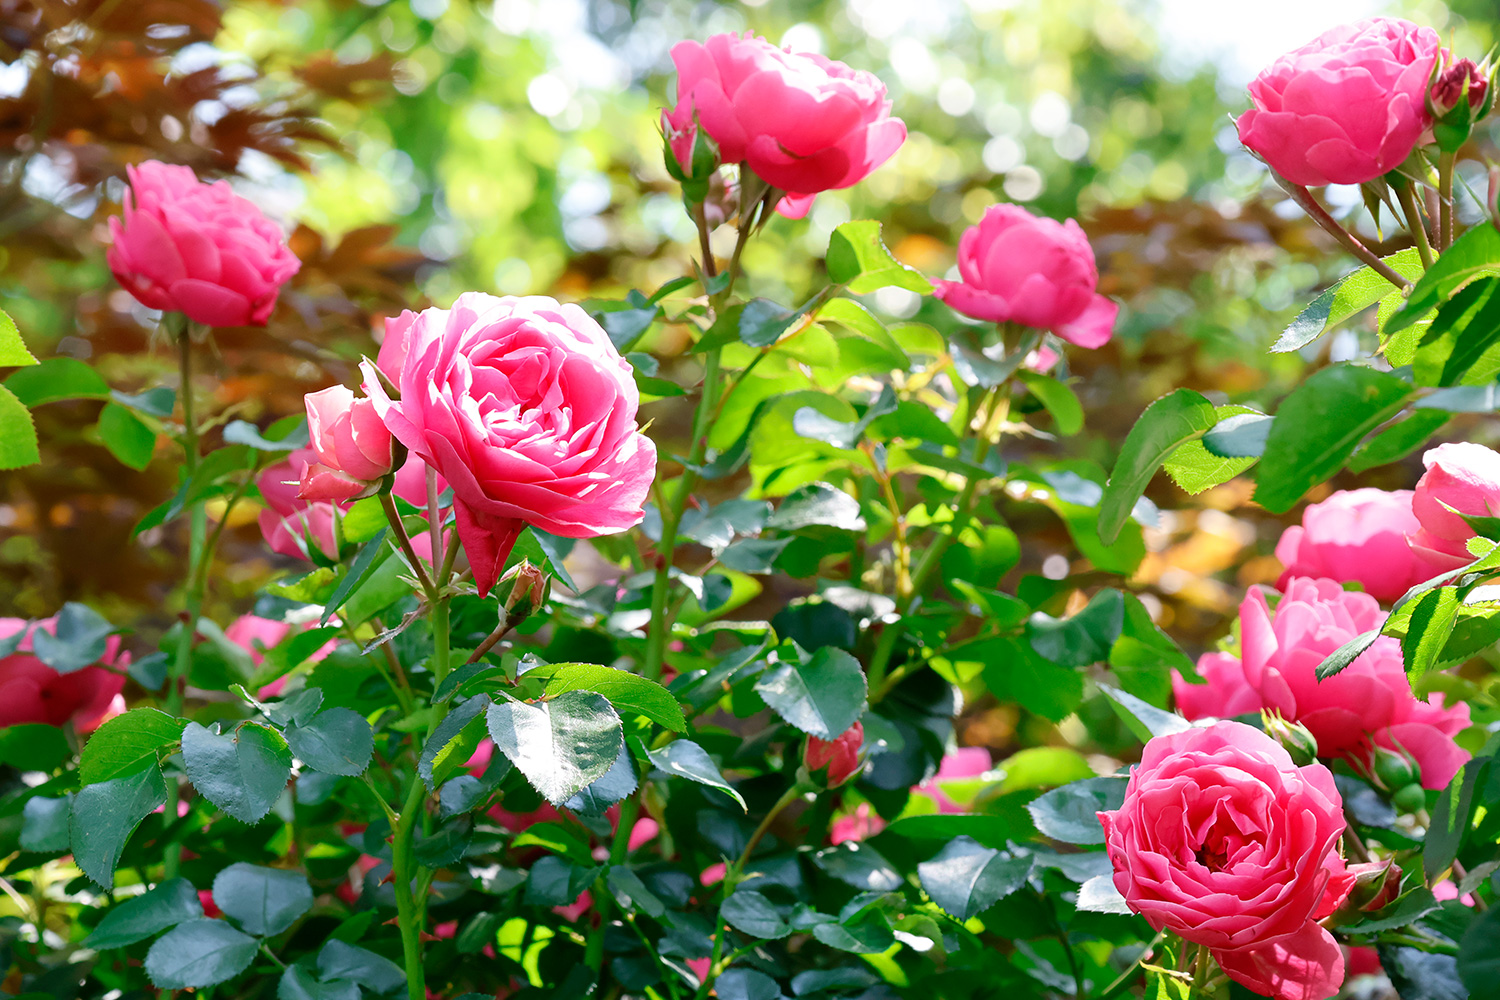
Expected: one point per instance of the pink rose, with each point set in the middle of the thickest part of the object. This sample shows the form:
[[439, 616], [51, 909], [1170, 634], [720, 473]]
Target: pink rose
[[801, 122], [1357, 536], [527, 410], [1346, 107], [257, 635], [1226, 694], [291, 525], [1368, 704], [964, 764], [1038, 272], [353, 446], [32, 692], [839, 755], [196, 248], [1464, 477], [1226, 842]]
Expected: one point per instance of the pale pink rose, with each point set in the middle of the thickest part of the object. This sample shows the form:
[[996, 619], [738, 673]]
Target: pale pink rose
[[1346, 107], [1226, 694], [1041, 360], [1461, 476], [198, 249], [1448, 889], [1357, 536], [353, 447], [1368, 704], [839, 755], [1018, 268], [801, 122], [713, 874], [964, 763], [256, 635], [862, 824], [32, 692], [527, 411], [1223, 840]]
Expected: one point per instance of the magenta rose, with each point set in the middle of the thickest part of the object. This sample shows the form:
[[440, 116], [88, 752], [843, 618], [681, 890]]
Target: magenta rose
[[1017, 268], [353, 446], [839, 755], [294, 526], [1225, 695], [198, 249], [1346, 107], [1223, 840], [1358, 536], [1461, 479], [801, 122], [32, 692], [527, 410], [1366, 705]]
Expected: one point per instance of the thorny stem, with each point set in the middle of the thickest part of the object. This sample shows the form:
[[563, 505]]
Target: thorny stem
[[1406, 194], [403, 542], [1445, 202], [1201, 965], [1305, 200], [434, 523], [618, 848]]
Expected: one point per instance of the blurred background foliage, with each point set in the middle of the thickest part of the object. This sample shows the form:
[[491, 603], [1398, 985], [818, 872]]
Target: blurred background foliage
[[419, 149]]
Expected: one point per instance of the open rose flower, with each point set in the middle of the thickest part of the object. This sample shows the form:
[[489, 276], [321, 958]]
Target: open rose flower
[[1017, 268], [1346, 107], [1366, 705], [527, 410], [295, 526], [32, 692], [353, 446], [1225, 695], [198, 249], [803, 123], [1358, 536], [1224, 841], [1462, 479]]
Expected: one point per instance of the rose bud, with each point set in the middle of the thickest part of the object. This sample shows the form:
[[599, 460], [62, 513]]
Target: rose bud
[[1412, 798], [1460, 95], [1295, 737], [690, 153], [1394, 769], [1376, 885], [529, 590], [840, 755], [353, 446]]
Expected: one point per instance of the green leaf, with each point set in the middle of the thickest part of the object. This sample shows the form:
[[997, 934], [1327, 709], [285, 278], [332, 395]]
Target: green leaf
[[1099, 895], [106, 814], [57, 379], [1069, 813], [453, 742], [632, 894], [817, 505], [686, 759], [616, 783], [1472, 255], [1432, 617], [966, 878], [746, 984], [1168, 423], [157, 402], [860, 865], [751, 913], [1408, 909], [853, 316], [991, 831], [18, 442], [555, 882], [45, 823], [1465, 327], [1479, 950], [1082, 639], [1240, 436], [336, 741], [298, 983], [33, 746], [126, 744], [246, 433], [1317, 427], [1059, 400], [823, 697], [340, 960], [1013, 670], [241, 773], [13, 352], [263, 901], [127, 436], [1347, 653], [359, 570], [626, 691], [1398, 439], [762, 322], [79, 639], [866, 933], [1143, 719], [1462, 399], [166, 905], [1195, 469], [1451, 816], [1351, 294], [199, 953], [858, 259], [561, 745]]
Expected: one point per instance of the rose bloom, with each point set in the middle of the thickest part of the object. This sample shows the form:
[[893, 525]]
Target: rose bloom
[[1368, 704], [293, 526], [1018, 268], [1224, 841], [527, 410], [1358, 536], [256, 635], [32, 692], [1346, 107], [1225, 695], [803, 123], [198, 249], [352, 445], [1466, 478]]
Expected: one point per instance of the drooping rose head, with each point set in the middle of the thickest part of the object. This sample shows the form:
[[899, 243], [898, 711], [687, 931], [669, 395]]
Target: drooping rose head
[[1366, 705], [353, 446], [1358, 536], [802, 122], [527, 410], [198, 249], [840, 754], [1223, 840], [1226, 694], [1346, 107], [32, 692], [1017, 268], [1466, 478]]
